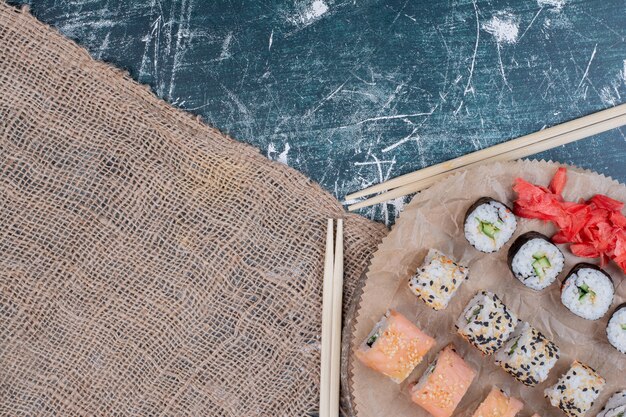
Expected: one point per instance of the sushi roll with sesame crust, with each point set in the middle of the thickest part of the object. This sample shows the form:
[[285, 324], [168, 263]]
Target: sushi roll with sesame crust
[[437, 280], [615, 406], [394, 347], [576, 390], [498, 404], [486, 322], [489, 224], [528, 355], [444, 383]]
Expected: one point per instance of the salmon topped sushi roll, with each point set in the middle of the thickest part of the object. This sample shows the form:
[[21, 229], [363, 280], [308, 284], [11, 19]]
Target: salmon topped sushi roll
[[394, 347], [444, 384], [498, 404]]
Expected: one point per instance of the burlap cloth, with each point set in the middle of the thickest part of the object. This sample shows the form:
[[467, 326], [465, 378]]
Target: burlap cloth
[[149, 265]]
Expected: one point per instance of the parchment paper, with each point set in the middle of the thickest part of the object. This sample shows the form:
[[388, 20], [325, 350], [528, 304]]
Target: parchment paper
[[434, 219]]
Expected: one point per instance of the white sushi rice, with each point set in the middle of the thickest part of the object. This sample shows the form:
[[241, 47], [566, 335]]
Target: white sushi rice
[[576, 390], [616, 329], [522, 264], [377, 330], [615, 406], [486, 323], [495, 213], [528, 355], [595, 303], [438, 279]]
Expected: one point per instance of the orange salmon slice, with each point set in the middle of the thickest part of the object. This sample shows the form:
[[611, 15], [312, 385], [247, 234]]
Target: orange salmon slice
[[498, 404], [398, 348], [442, 387]]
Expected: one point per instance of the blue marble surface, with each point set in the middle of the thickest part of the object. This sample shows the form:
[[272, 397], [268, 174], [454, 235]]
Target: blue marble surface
[[355, 92]]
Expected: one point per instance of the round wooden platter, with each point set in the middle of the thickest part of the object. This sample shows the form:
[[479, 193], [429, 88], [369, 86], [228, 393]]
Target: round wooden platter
[[434, 219]]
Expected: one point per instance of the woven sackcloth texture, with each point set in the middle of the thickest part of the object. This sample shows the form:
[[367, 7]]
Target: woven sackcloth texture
[[149, 265]]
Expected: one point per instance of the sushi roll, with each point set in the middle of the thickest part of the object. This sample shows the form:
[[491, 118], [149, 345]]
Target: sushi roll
[[616, 329], [438, 279], [489, 224], [498, 404], [444, 383], [528, 355], [394, 347], [576, 390], [587, 291], [486, 323], [535, 261], [615, 406]]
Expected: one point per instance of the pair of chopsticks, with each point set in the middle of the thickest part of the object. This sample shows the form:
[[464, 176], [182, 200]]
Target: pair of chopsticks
[[331, 322], [518, 148]]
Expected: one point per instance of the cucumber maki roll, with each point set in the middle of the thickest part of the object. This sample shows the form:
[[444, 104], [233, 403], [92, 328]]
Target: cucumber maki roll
[[615, 406], [616, 329], [489, 224], [576, 390], [486, 322], [528, 356], [535, 261], [587, 291]]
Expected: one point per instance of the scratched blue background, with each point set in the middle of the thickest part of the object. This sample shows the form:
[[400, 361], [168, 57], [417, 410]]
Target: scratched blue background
[[355, 92]]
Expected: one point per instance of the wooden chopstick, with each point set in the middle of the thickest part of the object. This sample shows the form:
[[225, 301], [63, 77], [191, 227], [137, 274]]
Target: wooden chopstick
[[327, 316], [335, 355], [490, 152], [564, 138]]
